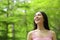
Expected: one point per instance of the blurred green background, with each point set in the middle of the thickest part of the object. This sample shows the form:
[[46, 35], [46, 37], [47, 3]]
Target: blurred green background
[[16, 17]]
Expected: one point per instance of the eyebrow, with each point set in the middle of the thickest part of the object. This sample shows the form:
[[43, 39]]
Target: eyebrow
[[37, 14]]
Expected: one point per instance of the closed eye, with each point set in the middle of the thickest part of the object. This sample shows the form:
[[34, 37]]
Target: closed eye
[[39, 14]]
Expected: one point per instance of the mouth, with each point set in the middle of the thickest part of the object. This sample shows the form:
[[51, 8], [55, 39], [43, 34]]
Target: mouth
[[37, 19]]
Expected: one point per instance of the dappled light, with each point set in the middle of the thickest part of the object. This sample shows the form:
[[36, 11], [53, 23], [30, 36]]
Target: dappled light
[[17, 16]]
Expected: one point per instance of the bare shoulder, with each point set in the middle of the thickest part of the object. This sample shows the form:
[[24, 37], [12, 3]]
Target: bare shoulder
[[29, 36], [30, 33], [53, 32], [53, 35]]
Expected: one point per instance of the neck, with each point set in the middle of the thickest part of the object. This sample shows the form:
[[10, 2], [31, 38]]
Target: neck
[[40, 27]]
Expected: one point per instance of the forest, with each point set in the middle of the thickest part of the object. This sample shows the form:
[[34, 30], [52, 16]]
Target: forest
[[17, 16]]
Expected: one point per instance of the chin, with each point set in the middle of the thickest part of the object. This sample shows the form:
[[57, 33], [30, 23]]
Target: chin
[[37, 22]]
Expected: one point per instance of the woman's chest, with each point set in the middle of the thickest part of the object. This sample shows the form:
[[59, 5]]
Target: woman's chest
[[41, 36]]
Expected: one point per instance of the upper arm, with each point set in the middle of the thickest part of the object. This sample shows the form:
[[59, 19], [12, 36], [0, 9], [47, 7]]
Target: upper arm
[[29, 36], [54, 35]]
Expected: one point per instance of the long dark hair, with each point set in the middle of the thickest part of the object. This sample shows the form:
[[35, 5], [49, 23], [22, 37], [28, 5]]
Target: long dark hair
[[46, 26]]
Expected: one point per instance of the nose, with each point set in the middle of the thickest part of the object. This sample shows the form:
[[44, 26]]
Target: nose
[[36, 16]]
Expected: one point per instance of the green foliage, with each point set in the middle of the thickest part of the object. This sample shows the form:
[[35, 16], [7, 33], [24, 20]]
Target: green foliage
[[16, 17]]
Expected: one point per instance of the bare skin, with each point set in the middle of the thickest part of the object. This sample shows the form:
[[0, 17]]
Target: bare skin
[[41, 31]]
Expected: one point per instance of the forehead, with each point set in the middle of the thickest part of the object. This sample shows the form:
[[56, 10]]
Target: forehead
[[38, 13]]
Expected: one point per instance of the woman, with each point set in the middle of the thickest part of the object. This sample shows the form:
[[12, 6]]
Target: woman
[[41, 28]]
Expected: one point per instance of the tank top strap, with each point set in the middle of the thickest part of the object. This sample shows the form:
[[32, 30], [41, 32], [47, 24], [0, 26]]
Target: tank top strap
[[50, 33], [33, 34]]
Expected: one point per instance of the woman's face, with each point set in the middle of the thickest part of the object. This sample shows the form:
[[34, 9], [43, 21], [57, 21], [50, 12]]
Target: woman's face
[[38, 18]]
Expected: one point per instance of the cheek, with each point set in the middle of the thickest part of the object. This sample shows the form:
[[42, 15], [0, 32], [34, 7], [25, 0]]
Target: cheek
[[42, 20]]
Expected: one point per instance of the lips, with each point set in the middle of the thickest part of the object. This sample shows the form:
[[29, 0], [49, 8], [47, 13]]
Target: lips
[[37, 19]]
